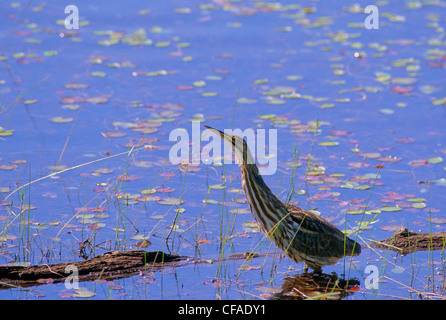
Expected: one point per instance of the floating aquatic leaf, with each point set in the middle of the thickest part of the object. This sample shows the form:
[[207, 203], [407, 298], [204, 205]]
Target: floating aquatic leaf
[[418, 163], [369, 155], [339, 132], [127, 177], [76, 85], [99, 74], [389, 209], [210, 201], [71, 106], [419, 205], [246, 100], [61, 120], [57, 168], [355, 212], [165, 190], [387, 111], [216, 186], [71, 100], [401, 90], [362, 187], [113, 134], [328, 143], [405, 140], [437, 102], [50, 53], [148, 197], [404, 81], [8, 167], [392, 228], [294, 77], [199, 83], [142, 163], [275, 101], [209, 94], [416, 199], [103, 170], [6, 133], [27, 207], [389, 159], [437, 220], [170, 201], [162, 44], [96, 100], [435, 160], [83, 293], [156, 73], [398, 269]]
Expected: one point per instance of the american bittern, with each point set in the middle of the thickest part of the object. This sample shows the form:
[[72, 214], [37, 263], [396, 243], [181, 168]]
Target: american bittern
[[301, 234]]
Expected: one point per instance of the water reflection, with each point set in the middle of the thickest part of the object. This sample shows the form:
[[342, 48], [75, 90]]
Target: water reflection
[[317, 286]]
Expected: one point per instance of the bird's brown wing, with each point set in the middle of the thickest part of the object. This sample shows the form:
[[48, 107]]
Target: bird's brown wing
[[313, 235]]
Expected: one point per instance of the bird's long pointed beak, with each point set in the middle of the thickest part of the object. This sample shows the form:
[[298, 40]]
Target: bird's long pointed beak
[[218, 132], [226, 137]]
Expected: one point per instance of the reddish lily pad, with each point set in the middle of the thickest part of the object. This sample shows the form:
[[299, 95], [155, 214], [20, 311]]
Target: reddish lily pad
[[71, 100], [418, 163], [127, 177]]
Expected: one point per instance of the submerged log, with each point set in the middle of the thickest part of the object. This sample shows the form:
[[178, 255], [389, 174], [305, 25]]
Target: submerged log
[[115, 264], [110, 265], [405, 241]]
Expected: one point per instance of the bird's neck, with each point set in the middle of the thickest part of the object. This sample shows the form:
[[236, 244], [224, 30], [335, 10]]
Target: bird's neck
[[260, 197]]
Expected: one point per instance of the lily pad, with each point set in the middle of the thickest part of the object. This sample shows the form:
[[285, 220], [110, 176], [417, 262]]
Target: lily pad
[[170, 201], [328, 143], [389, 209], [419, 205], [61, 120], [435, 160], [83, 293]]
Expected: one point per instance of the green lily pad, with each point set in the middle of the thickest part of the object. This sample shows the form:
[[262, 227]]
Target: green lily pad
[[246, 100], [275, 101], [435, 160], [389, 209], [99, 74], [210, 201], [61, 120], [83, 293], [170, 201], [199, 83], [416, 199], [209, 94], [148, 191], [328, 143], [6, 133]]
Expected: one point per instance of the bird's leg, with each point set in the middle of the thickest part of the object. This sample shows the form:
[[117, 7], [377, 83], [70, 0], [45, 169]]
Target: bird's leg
[[317, 271]]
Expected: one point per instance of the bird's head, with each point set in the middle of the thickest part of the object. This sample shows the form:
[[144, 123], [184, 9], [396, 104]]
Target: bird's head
[[237, 144]]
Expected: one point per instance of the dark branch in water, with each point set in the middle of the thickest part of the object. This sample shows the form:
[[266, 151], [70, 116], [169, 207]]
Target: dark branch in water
[[405, 241], [110, 265]]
